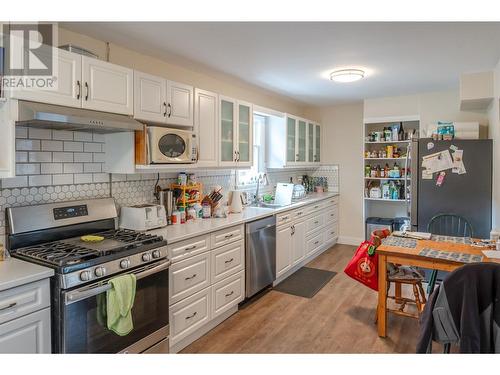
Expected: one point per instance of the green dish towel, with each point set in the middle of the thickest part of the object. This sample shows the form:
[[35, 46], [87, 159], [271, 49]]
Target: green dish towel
[[120, 300]]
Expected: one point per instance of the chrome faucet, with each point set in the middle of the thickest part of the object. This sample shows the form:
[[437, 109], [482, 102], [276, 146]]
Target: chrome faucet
[[263, 178]]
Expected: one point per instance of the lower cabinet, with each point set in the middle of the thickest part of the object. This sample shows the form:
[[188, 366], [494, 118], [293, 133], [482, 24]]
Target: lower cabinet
[[29, 334], [227, 293], [298, 241], [283, 249]]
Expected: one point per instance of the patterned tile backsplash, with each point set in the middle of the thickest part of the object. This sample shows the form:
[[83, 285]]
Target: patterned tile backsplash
[[59, 165]]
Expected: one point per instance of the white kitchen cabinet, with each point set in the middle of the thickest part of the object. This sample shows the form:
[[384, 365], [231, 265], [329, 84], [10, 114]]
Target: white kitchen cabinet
[[317, 144], [228, 293], [179, 104], [301, 142], [236, 133], [29, 334], [107, 87], [299, 230], [206, 120], [189, 276], [8, 138], [150, 97], [283, 249], [68, 90]]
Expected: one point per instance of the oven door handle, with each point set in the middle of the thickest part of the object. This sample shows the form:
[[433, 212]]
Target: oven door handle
[[82, 294]]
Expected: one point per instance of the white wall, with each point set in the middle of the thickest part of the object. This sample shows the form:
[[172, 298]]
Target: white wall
[[494, 133]]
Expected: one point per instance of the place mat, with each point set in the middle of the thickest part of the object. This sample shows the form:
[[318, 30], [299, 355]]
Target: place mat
[[441, 238], [449, 255], [409, 243]]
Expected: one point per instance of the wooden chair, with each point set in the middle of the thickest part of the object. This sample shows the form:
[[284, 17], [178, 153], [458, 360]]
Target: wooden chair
[[397, 275], [447, 225]]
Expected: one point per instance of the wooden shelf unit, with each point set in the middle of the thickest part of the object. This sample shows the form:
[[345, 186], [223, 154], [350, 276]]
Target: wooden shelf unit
[[183, 202]]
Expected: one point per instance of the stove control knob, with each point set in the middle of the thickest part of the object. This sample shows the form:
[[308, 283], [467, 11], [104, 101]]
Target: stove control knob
[[85, 275], [124, 263], [100, 271], [156, 254], [146, 257]]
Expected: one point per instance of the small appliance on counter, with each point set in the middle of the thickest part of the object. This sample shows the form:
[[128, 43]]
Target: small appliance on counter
[[236, 203], [143, 217]]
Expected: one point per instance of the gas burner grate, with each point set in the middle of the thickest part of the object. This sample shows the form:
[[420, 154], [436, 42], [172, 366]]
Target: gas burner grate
[[130, 236], [59, 253]]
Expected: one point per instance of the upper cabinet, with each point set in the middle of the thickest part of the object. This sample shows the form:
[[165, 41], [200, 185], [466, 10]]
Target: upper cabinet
[[84, 82], [206, 110], [107, 87], [296, 142], [236, 134], [161, 101]]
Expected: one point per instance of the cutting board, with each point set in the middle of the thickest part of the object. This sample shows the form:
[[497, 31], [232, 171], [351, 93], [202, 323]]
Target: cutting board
[[283, 196]]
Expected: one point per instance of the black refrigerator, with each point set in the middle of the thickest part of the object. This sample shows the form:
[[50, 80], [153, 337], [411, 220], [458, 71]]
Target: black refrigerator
[[467, 195]]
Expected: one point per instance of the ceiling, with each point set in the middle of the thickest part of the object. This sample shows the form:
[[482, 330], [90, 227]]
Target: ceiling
[[294, 58]]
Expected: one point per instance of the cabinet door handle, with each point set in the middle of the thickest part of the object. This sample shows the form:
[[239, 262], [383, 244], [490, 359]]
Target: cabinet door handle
[[190, 248], [235, 159], [192, 315], [293, 229], [238, 155], [284, 218], [228, 236], [165, 112], [86, 91], [79, 93], [9, 306], [230, 294], [190, 277], [169, 110], [317, 242], [229, 261], [299, 213]]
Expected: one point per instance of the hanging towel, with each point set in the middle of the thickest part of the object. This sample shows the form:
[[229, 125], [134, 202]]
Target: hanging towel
[[120, 300]]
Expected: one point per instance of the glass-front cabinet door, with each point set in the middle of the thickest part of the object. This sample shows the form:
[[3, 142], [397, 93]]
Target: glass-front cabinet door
[[227, 131], [244, 150], [317, 144], [301, 141], [310, 142], [291, 129]]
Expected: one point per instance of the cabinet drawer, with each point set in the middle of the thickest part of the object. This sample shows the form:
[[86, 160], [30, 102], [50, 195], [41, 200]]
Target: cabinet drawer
[[312, 208], [24, 299], [29, 334], [315, 243], [187, 248], [315, 222], [227, 260], [189, 276], [284, 218], [189, 315], [331, 232], [228, 293], [299, 213], [331, 215], [227, 235], [334, 200]]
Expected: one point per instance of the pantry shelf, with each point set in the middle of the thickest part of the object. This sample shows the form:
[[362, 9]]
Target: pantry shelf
[[384, 200], [386, 158], [386, 142], [387, 178]]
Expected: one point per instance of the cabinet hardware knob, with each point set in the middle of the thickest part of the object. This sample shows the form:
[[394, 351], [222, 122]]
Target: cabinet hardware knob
[[230, 294], [191, 316], [229, 235], [229, 261], [190, 277]]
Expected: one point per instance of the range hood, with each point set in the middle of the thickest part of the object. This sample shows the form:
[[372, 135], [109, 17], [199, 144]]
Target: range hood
[[65, 118]]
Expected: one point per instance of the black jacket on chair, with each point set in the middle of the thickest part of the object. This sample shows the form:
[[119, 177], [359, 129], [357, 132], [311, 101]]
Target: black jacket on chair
[[464, 310]]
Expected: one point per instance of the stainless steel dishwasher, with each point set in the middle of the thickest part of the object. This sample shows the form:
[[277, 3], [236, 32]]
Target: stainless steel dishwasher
[[260, 255]]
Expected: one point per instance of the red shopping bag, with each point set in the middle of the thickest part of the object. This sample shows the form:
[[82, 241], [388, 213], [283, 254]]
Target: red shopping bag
[[363, 266]]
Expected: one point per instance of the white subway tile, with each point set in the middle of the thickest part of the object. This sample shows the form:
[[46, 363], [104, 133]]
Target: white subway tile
[[40, 156], [24, 169], [92, 167], [101, 177], [21, 157], [115, 177], [37, 133], [73, 167], [99, 138], [99, 157], [62, 179], [93, 147], [82, 136], [19, 181], [62, 157], [73, 146], [21, 132], [83, 178], [52, 145], [62, 135], [40, 180], [51, 168], [83, 157], [27, 144]]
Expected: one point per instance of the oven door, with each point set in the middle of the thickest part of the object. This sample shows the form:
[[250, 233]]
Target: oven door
[[84, 325], [169, 145]]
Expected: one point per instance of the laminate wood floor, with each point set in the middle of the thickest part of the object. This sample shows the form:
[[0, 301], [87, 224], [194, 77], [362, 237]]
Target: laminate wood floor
[[339, 319]]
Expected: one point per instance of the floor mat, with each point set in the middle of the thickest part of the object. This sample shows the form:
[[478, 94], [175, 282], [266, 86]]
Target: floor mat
[[305, 282]]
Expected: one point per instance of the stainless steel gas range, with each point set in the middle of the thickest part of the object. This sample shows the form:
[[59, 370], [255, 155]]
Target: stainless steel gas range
[[50, 235]]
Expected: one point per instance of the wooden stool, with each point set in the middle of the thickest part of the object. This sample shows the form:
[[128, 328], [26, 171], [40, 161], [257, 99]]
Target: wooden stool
[[402, 276]]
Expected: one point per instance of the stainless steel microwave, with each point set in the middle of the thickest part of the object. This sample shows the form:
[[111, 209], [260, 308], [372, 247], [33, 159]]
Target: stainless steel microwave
[[171, 146]]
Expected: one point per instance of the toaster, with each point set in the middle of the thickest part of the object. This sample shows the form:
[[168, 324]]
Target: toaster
[[143, 217]]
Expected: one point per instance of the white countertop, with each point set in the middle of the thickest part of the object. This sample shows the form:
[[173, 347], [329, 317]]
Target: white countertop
[[16, 272], [176, 233]]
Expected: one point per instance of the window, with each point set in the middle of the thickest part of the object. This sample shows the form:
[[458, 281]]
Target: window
[[249, 177]]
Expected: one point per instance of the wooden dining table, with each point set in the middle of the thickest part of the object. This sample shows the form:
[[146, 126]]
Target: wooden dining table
[[410, 257]]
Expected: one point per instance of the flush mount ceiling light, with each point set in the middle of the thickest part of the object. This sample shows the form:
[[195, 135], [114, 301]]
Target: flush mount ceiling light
[[347, 75]]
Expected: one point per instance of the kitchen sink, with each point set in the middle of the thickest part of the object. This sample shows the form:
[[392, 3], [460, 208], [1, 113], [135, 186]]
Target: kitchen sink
[[272, 205]]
